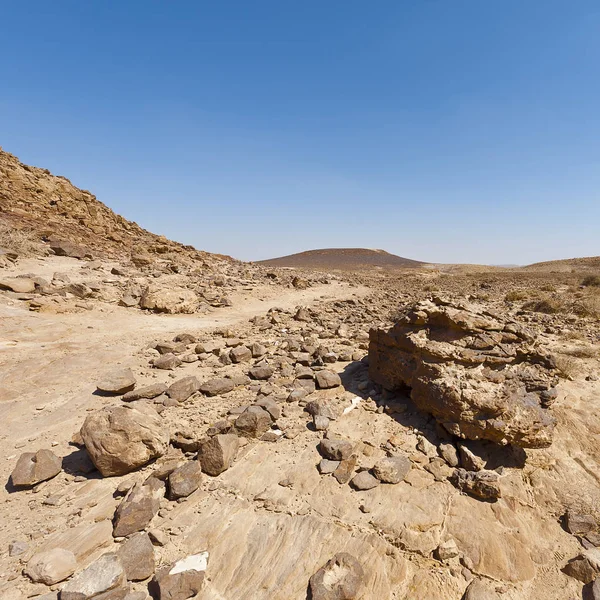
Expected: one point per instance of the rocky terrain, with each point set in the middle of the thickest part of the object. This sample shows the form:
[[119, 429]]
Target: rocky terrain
[[183, 425]]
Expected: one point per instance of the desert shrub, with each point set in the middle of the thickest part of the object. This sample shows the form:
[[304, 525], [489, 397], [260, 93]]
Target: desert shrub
[[21, 241], [591, 281], [566, 366], [550, 305], [516, 296], [588, 306], [548, 287]]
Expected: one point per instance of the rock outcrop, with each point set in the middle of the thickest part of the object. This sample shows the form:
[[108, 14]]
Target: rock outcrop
[[479, 374]]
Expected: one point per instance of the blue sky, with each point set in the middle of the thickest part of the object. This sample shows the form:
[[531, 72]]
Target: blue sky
[[440, 130]]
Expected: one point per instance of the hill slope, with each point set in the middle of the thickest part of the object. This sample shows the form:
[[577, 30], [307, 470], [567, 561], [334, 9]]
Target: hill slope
[[343, 258], [47, 207], [567, 264]]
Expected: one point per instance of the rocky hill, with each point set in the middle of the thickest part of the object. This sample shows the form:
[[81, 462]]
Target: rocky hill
[[350, 259], [49, 208]]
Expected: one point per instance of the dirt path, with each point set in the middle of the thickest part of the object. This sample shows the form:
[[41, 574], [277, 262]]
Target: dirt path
[[49, 362]]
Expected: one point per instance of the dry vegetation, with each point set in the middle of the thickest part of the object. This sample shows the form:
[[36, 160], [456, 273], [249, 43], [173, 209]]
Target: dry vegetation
[[19, 241]]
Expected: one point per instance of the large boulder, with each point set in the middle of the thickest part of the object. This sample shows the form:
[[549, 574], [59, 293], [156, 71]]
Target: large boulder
[[172, 301], [121, 439], [480, 375]]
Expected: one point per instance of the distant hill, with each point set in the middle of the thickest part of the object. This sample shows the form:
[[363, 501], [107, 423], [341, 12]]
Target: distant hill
[[589, 263], [350, 259]]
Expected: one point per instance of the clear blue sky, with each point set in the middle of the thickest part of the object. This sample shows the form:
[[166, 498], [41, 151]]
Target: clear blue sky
[[441, 130]]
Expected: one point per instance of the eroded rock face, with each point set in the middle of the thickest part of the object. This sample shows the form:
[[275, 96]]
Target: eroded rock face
[[340, 579], [122, 438], [480, 375]]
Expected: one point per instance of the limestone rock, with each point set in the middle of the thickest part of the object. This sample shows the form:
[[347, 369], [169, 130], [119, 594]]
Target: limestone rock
[[481, 484], [117, 382], [479, 375], [392, 470], [183, 579], [240, 354], [218, 453], [481, 590], [364, 481], [253, 423], [20, 285], [345, 469], [167, 362], [185, 480], [139, 507], [327, 379], [579, 524], [172, 301], [121, 439], [51, 566], [136, 554], [217, 387], [340, 579], [183, 388], [34, 467], [103, 575], [335, 449], [147, 392]]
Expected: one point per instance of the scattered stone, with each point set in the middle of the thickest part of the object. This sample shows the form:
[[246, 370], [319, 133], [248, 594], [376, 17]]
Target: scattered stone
[[345, 470], [327, 379], [261, 373], [158, 537], [218, 453], [364, 481], [167, 362], [66, 248], [186, 440], [185, 338], [335, 449], [328, 466], [185, 480], [469, 460], [121, 439], [51, 566], [103, 575], [481, 484], [320, 423], [170, 348], [240, 354], [217, 387], [147, 392], [340, 579], [392, 470], [253, 423], [35, 467], [183, 388], [183, 579], [17, 547], [449, 453], [209, 347], [139, 507], [117, 382], [320, 409], [136, 554], [582, 569], [579, 524], [258, 350]]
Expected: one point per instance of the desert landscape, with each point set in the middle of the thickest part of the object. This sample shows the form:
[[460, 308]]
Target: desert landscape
[[338, 424]]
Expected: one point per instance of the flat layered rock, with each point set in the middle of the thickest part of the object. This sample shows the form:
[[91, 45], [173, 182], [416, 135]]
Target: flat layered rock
[[147, 392], [481, 376], [136, 554], [183, 388], [35, 467], [102, 576], [121, 439], [20, 285]]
